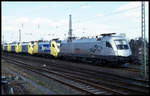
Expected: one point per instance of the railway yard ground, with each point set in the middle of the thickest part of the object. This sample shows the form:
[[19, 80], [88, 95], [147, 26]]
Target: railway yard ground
[[69, 77], [31, 83], [22, 82]]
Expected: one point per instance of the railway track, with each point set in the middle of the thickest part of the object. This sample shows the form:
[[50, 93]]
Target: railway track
[[81, 86], [47, 61], [127, 69], [132, 70], [97, 87]]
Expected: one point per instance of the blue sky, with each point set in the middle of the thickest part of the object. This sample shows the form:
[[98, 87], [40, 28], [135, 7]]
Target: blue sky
[[89, 19]]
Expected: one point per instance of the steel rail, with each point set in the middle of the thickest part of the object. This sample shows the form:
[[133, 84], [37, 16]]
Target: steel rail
[[101, 86], [101, 78], [40, 73], [100, 72]]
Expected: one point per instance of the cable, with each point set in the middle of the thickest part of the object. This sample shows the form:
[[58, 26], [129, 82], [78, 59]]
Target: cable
[[102, 15]]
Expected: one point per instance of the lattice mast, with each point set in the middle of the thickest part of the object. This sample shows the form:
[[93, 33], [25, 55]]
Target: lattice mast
[[70, 29]]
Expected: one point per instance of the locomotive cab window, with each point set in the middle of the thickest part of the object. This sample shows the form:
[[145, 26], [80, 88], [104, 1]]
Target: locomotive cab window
[[121, 44], [58, 45], [108, 45], [53, 45]]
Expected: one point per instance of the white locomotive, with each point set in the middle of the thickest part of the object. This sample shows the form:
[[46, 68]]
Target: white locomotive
[[108, 49]]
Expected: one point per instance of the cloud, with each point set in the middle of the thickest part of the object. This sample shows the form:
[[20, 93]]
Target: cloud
[[99, 14], [9, 28], [49, 22], [86, 6], [8, 23], [22, 20], [132, 11], [126, 21], [91, 29], [46, 6], [128, 6]]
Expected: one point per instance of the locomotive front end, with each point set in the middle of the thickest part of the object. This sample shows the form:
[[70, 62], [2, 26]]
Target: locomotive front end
[[122, 47], [121, 50]]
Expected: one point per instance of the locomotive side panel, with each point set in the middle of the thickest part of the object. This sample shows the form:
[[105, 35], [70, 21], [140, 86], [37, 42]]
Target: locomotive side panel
[[44, 47], [5, 47], [24, 48], [66, 48], [108, 49], [83, 48], [13, 48]]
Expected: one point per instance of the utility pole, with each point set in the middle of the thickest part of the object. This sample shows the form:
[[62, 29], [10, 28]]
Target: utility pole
[[70, 29], [143, 67], [19, 35], [38, 28]]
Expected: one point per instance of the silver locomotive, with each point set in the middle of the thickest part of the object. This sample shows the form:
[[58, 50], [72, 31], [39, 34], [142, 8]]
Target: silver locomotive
[[108, 48]]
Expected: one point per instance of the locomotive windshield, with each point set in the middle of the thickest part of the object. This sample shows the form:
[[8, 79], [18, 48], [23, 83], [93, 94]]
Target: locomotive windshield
[[121, 44], [58, 45]]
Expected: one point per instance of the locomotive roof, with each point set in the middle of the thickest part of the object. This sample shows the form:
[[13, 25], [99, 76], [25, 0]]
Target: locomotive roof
[[82, 40], [24, 43], [94, 39], [113, 37], [5, 44], [13, 44], [45, 42]]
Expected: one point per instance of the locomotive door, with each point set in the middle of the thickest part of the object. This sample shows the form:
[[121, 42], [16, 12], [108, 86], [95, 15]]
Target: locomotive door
[[13, 48], [108, 48]]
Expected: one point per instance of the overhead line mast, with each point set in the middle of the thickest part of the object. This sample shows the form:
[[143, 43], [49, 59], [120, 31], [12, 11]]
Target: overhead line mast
[[70, 29], [19, 35], [143, 67]]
